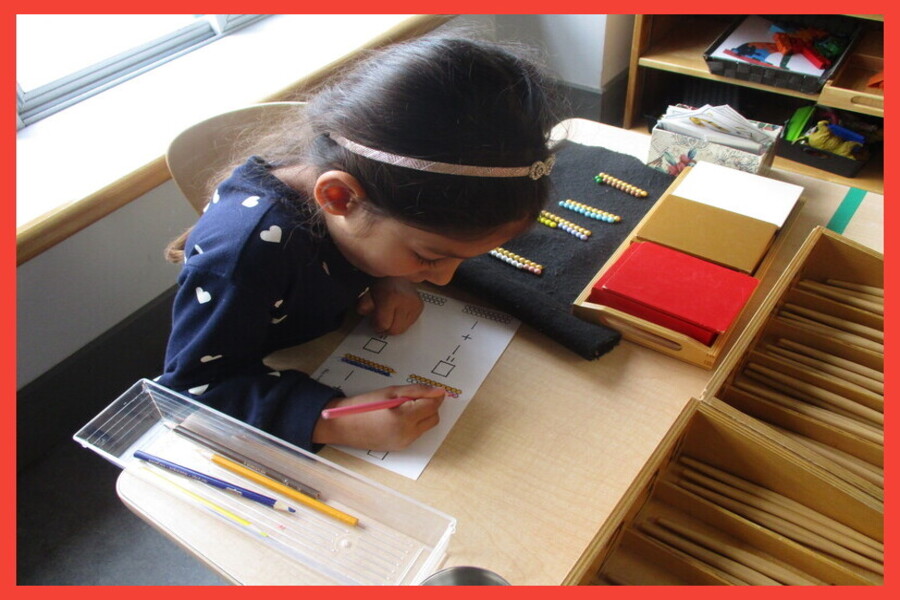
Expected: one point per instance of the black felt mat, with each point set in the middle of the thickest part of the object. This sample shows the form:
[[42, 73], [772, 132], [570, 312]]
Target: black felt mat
[[569, 264]]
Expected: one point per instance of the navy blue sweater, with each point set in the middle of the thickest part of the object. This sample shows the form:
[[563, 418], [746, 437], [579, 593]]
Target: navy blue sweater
[[258, 276]]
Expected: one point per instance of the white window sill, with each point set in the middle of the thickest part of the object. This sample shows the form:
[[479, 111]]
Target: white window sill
[[64, 160]]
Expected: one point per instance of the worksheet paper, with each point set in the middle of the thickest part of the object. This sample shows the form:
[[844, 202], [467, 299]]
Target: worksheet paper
[[453, 345]]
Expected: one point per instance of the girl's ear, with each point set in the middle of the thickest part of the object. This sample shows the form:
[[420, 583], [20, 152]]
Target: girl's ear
[[335, 191]]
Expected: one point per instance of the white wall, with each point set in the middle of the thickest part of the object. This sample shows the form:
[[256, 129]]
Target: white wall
[[585, 51], [573, 43], [77, 290], [616, 47]]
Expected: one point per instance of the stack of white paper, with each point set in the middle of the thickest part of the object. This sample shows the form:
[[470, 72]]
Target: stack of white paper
[[719, 124], [752, 195]]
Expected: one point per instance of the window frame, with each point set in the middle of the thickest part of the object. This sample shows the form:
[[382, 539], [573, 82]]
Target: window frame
[[45, 100]]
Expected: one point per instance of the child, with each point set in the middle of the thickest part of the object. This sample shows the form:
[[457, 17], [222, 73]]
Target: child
[[432, 152]]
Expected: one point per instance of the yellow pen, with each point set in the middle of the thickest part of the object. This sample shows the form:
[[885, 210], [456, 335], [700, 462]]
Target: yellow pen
[[279, 487]]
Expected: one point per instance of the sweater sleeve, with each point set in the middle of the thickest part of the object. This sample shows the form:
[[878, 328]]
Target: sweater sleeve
[[215, 355]]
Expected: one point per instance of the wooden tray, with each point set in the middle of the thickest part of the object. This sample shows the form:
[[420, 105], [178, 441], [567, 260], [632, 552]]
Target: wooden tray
[[655, 336]]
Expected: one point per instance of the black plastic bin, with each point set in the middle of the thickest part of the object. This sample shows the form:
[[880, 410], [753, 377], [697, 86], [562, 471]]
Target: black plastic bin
[[846, 28]]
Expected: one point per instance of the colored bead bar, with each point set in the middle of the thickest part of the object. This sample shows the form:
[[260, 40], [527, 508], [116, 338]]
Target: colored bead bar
[[545, 221], [620, 185], [568, 226], [451, 391], [590, 211], [368, 365], [517, 261]]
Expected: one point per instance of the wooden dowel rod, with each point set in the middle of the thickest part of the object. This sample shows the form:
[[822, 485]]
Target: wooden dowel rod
[[780, 526], [859, 287], [864, 330], [825, 416], [607, 578], [838, 334], [879, 300], [837, 292], [853, 293], [869, 472], [767, 566], [838, 295], [827, 412], [700, 553], [802, 519], [781, 499], [868, 397], [832, 359], [826, 396], [846, 375]]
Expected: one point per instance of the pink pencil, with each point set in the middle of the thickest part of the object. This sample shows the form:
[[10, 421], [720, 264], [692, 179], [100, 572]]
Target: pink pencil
[[341, 411]]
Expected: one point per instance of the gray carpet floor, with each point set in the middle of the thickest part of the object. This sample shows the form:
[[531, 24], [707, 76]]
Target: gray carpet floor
[[74, 530]]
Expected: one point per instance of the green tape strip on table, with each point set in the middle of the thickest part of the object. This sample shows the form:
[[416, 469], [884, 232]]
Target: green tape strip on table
[[841, 217]]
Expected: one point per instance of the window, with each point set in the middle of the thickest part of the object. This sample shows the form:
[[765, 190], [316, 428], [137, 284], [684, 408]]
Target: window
[[64, 59]]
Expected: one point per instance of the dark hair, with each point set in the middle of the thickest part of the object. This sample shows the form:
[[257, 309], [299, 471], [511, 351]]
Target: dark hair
[[451, 100]]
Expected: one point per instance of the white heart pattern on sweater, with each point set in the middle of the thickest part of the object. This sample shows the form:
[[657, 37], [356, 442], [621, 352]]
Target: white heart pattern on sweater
[[272, 234]]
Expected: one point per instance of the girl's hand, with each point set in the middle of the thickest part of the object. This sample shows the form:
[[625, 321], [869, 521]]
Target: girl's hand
[[386, 429], [392, 303]]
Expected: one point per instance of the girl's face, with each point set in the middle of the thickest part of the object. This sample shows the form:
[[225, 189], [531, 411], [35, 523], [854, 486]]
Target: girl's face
[[384, 247]]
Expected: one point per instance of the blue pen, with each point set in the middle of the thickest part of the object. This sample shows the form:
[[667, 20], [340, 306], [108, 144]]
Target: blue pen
[[213, 481]]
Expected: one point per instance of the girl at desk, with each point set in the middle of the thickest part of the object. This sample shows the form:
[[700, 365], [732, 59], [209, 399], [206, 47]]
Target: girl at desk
[[429, 153]]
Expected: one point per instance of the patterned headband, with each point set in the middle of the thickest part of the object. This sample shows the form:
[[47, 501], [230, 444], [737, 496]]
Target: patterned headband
[[537, 170]]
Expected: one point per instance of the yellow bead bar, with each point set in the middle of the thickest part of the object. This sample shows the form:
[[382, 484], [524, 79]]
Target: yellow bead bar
[[567, 226], [451, 391], [548, 222]]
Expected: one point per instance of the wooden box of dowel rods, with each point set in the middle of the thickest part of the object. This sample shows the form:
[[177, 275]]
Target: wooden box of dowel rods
[[722, 501], [774, 475], [811, 362]]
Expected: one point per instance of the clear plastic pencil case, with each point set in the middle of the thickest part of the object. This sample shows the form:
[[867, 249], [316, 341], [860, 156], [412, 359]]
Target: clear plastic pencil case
[[395, 540]]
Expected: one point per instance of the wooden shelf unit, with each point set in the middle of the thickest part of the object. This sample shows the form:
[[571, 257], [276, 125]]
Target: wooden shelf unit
[[666, 48]]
